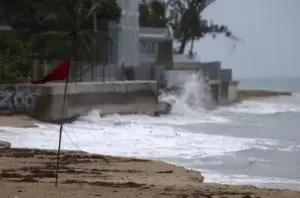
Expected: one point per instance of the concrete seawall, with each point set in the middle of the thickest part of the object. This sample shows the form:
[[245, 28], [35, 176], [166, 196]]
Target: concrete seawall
[[44, 102]]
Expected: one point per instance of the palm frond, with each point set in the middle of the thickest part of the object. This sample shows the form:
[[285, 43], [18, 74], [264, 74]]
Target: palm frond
[[86, 46], [64, 34], [93, 8]]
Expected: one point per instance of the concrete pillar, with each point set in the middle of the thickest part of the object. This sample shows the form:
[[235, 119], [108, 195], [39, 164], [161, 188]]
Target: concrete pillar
[[219, 91]]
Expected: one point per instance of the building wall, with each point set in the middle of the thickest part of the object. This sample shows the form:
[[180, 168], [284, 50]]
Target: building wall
[[126, 35], [224, 89], [156, 54], [150, 71], [156, 46], [226, 75], [233, 91], [226, 78], [148, 50], [113, 47], [215, 92], [165, 54], [177, 77], [186, 65], [210, 69]]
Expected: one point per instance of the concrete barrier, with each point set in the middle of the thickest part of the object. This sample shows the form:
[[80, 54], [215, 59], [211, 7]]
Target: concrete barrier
[[44, 102]]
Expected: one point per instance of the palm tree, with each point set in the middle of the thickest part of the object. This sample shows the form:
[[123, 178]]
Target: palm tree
[[70, 21]]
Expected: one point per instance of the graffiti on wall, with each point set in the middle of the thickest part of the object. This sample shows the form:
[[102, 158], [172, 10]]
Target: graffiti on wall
[[18, 100]]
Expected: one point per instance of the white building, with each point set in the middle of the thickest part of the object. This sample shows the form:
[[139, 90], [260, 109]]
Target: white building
[[125, 35], [134, 45]]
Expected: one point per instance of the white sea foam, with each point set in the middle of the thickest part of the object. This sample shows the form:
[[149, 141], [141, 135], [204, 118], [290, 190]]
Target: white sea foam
[[290, 148], [128, 140], [215, 177], [194, 96], [172, 119], [268, 106]]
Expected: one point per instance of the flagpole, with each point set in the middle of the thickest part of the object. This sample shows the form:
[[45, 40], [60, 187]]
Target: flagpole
[[61, 128]]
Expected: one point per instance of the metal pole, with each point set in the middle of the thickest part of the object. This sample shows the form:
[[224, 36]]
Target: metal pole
[[60, 129]]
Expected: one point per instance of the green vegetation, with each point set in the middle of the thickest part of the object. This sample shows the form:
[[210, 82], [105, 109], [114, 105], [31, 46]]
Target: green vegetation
[[14, 60], [57, 29], [153, 14], [185, 19]]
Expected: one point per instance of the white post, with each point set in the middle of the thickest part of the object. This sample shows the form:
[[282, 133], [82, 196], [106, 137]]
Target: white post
[[95, 44]]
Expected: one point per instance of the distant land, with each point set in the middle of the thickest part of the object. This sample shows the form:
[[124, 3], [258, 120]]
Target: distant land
[[289, 84]]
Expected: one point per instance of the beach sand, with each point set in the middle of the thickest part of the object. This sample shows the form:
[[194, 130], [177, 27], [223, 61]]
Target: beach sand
[[30, 173], [18, 121]]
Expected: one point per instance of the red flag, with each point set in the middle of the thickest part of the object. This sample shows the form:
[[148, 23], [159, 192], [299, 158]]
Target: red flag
[[61, 72]]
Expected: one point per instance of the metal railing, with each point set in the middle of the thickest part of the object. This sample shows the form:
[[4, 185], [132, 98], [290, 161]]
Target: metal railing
[[88, 71], [85, 71]]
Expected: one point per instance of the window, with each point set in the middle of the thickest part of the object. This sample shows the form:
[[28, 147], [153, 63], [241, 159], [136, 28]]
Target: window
[[147, 47]]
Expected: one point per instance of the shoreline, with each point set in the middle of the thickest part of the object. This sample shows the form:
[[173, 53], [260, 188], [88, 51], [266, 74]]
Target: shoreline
[[163, 108], [253, 94], [28, 172], [25, 169]]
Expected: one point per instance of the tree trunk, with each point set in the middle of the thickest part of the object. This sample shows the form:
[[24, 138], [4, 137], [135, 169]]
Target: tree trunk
[[182, 46], [183, 43]]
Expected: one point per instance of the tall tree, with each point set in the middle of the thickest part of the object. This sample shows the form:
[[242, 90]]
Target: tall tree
[[152, 14], [188, 25], [62, 22], [31, 15], [24, 14], [71, 19], [185, 19], [14, 60]]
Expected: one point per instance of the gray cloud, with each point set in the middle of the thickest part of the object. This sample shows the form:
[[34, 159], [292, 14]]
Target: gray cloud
[[270, 29]]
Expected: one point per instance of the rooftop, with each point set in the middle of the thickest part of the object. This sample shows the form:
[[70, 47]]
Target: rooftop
[[183, 58]]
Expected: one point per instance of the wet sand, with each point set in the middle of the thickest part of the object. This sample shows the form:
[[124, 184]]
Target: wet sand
[[28, 173], [18, 121]]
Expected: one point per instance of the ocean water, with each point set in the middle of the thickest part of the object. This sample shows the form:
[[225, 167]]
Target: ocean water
[[291, 84], [253, 142]]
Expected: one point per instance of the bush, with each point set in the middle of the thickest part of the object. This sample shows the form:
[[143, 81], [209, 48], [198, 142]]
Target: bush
[[14, 60]]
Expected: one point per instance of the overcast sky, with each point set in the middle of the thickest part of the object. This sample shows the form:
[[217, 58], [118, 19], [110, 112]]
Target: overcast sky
[[270, 29]]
